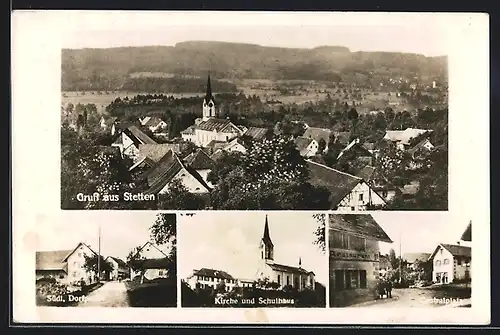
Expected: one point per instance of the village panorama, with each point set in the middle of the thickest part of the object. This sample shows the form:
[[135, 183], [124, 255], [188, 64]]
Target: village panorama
[[324, 129]]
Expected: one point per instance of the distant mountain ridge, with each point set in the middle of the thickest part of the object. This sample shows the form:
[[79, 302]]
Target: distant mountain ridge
[[110, 68]]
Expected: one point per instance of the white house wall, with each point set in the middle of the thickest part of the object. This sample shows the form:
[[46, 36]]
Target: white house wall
[[191, 183], [439, 266], [76, 261], [359, 198]]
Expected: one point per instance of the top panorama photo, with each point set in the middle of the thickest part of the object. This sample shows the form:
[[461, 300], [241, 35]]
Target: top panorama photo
[[206, 125]]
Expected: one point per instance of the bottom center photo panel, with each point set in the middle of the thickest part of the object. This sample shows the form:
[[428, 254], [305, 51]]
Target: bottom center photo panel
[[252, 259]]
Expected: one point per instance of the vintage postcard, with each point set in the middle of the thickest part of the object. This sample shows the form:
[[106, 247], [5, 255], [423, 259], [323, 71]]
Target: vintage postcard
[[250, 167]]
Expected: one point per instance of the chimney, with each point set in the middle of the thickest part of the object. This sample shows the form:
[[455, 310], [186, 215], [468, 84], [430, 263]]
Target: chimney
[[458, 242]]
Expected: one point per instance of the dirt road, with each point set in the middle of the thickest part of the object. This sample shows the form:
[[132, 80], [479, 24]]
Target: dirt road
[[111, 294], [415, 297]]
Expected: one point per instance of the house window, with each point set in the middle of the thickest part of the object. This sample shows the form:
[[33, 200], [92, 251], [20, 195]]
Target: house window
[[79, 254], [74, 274], [438, 263], [349, 279], [357, 243], [339, 280], [61, 276], [361, 197], [446, 261], [288, 280], [354, 276], [352, 209], [160, 272], [339, 240], [279, 279]]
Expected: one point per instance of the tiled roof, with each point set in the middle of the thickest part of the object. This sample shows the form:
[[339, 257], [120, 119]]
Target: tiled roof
[[403, 136], [219, 125], [338, 183], [287, 268], [455, 250], [458, 250], [302, 143], [199, 160], [414, 256], [317, 134], [342, 137], [363, 225], [51, 260], [153, 121], [213, 273], [156, 151], [139, 135], [166, 169], [256, 133], [366, 172]]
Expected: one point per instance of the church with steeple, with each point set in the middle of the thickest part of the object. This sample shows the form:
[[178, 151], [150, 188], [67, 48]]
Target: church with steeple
[[210, 127], [285, 275]]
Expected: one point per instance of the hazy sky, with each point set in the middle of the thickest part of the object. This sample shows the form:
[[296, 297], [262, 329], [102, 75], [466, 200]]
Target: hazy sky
[[120, 231], [229, 241], [416, 34], [419, 231]]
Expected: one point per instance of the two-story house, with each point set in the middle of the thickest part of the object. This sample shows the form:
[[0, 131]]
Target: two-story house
[[354, 257], [450, 263], [66, 266], [206, 278], [347, 192]]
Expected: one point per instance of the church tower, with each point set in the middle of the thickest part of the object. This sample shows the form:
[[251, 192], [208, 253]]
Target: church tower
[[266, 246], [209, 102]]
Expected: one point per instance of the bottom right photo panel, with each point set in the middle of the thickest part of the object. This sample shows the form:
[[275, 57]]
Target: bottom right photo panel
[[396, 259]]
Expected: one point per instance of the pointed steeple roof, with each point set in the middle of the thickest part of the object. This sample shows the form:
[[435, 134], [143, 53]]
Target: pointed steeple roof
[[209, 95], [300, 262], [267, 238]]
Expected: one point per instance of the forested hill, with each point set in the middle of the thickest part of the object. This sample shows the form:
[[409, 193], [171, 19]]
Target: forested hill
[[108, 69]]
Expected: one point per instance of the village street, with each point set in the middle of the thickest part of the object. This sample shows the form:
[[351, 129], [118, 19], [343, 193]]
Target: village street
[[419, 297], [111, 294]]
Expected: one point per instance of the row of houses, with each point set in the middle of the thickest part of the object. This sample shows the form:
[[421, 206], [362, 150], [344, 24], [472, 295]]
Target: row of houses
[[67, 266], [157, 165], [356, 264]]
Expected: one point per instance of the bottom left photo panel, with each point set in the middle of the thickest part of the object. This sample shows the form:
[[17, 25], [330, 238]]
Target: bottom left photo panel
[[106, 259]]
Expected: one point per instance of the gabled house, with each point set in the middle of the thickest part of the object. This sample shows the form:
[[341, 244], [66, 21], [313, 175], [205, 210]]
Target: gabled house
[[358, 152], [201, 162], [120, 268], [205, 278], [155, 124], [450, 263], [150, 262], [347, 192], [150, 154], [424, 145], [107, 123], [354, 257], [235, 145], [66, 266], [171, 168], [307, 147], [377, 182], [318, 134], [402, 138], [129, 140]]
